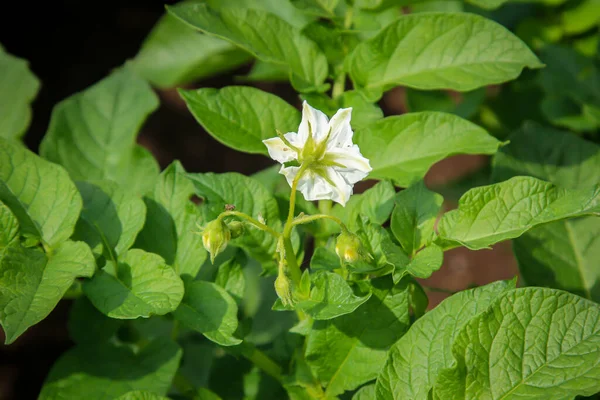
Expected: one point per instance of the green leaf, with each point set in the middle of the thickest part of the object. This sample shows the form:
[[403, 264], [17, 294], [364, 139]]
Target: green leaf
[[210, 310], [531, 342], [88, 326], [373, 237], [491, 4], [414, 216], [348, 351], [404, 147], [241, 117], [32, 283], [330, 297], [141, 395], [378, 5], [92, 133], [284, 9], [171, 222], [9, 226], [366, 392], [107, 371], [40, 194], [111, 218], [584, 16], [174, 54], [264, 35], [139, 284], [18, 88], [323, 8], [249, 197], [324, 259], [375, 203], [230, 276], [562, 254], [422, 265], [415, 361], [490, 214], [457, 51], [466, 106]]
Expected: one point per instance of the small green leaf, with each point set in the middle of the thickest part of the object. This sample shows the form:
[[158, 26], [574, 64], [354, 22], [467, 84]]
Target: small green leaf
[[491, 4], [210, 310], [92, 133], [241, 117], [9, 226], [531, 342], [366, 392], [139, 284], [404, 147], [348, 351], [18, 88], [373, 237], [561, 254], [111, 217], [230, 276], [174, 54], [323, 8], [422, 265], [415, 361], [582, 17], [265, 35], [457, 51], [140, 395], [414, 216], [466, 107], [330, 297], [40, 194], [375, 203], [171, 222], [32, 283], [107, 371], [490, 214], [249, 197], [88, 326]]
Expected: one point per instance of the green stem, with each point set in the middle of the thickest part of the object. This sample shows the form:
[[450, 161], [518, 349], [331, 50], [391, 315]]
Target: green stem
[[288, 224], [311, 218], [261, 360], [249, 219], [339, 86]]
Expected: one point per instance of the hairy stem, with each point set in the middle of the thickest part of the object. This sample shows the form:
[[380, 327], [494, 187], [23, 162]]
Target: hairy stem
[[261, 360], [311, 218], [249, 219]]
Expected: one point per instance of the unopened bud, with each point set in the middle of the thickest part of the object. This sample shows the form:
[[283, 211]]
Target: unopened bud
[[283, 288], [349, 247], [236, 228], [215, 237]]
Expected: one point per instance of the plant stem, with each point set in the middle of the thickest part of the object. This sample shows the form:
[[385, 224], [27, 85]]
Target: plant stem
[[339, 86], [261, 360], [311, 218], [249, 219], [288, 224]]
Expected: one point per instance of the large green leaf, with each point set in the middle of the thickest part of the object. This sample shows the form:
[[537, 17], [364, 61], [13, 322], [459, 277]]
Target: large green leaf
[[530, 343], [88, 326], [107, 371], [139, 284], [241, 117], [9, 226], [414, 216], [40, 194], [111, 218], [171, 220], [92, 133], [457, 51], [404, 147], [175, 54], [32, 282], [490, 214], [248, 196], [264, 35], [375, 203], [18, 88], [415, 361], [348, 351], [563, 254], [210, 310]]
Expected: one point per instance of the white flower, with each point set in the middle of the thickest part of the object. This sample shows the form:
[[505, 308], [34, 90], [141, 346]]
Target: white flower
[[331, 163]]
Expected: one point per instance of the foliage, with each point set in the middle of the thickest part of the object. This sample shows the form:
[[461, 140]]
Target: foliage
[[92, 218]]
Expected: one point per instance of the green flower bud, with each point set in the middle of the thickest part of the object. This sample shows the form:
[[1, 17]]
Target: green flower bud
[[215, 237], [349, 247], [236, 228], [283, 287]]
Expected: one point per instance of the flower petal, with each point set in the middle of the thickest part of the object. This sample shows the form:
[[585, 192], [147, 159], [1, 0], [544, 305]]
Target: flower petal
[[351, 164], [279, 151], [318, 122], [341, 131], [316, 187]]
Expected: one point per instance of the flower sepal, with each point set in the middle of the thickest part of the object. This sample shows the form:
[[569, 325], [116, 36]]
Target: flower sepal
[[215, 237]]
